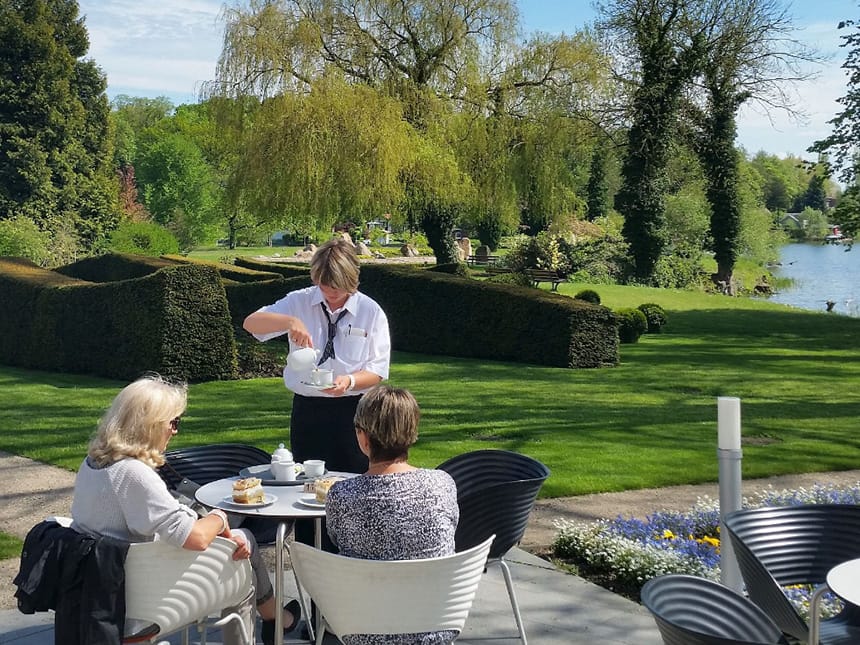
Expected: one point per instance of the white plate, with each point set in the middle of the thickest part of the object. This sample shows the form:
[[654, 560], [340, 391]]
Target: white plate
[[311, 502], [317, 387], [267, 500]]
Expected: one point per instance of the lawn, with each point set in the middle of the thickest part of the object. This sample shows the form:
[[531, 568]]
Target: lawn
[[649, 422]]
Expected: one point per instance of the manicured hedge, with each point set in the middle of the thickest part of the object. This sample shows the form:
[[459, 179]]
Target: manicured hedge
[[114, 266], [281, 268], [227, 271], [174, 321], [434, 313], [247, 297]]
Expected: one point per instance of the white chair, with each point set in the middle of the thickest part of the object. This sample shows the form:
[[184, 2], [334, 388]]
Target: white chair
[[390, 597], [175, 588]]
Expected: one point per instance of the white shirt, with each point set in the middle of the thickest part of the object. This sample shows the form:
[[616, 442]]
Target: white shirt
[[362, 341], [128, 501]]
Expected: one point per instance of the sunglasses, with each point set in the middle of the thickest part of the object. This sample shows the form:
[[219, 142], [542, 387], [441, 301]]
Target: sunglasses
[[174, 424]]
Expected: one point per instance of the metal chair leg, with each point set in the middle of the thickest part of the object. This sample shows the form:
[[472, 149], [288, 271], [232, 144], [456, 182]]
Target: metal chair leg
[[509, 583], [305, 610]]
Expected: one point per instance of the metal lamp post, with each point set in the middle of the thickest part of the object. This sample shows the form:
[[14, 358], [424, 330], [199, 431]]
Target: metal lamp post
[[729, 455]]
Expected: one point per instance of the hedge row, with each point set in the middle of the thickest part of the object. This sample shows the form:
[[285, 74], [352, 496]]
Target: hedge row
[[173, 320], [229, 272], [121, 315]]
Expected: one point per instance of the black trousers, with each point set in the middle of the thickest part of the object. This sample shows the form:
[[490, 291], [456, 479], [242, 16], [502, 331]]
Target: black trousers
[[322, 428]]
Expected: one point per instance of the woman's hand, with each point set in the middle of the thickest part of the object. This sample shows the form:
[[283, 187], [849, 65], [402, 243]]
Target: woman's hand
[[299, 334], [340, 386], [242, 552]]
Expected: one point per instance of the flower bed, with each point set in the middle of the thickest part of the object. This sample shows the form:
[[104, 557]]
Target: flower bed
[[624, 553]]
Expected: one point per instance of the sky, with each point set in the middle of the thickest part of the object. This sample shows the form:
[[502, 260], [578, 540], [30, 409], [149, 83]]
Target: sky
[[169, 47]]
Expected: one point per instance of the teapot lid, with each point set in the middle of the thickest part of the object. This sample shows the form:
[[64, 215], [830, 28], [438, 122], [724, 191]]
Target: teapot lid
[[282, 454]]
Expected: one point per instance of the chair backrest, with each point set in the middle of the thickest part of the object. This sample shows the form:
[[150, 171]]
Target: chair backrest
[[788, 545], [496, 490], [391, 597], [205, 464], [696, 611], [174, 587]]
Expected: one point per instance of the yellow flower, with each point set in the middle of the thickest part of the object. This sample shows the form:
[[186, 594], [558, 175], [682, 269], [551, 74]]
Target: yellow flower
[[668, 535]]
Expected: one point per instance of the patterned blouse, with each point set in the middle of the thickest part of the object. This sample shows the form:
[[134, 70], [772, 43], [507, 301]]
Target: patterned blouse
[[400, 516]]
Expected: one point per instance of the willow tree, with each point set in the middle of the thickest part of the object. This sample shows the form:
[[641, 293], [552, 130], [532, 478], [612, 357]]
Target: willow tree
[[335, 152], [751, 56], [433, 58]]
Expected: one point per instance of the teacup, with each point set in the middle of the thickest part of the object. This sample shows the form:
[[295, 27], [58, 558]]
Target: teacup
[[302, 359], [314, 468], [322, 377], [283, 471]]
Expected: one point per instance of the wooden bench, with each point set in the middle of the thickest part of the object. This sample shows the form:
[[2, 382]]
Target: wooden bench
[[489, 260], [542, 275]]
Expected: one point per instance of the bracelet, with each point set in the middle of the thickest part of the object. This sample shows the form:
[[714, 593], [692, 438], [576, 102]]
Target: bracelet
[[224, 523], [351, 383]]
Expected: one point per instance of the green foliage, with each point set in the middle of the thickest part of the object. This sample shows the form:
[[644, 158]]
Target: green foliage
[[679, 272], [83, 327], [589, 295], [655, 316], [54, 143], [20, 237], [142, 238], [842, 142], [544, 251], [632, 323], [601, 259], [10, 546], [597, 194], [847, 211], [517, 278], [455, 268]]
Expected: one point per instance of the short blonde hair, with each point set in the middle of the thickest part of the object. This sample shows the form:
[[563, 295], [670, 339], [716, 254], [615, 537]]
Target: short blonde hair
[[389, 417], [335, 264], [136, 421]]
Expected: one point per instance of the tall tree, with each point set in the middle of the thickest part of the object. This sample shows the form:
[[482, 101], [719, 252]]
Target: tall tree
[[597, 192], [751, 56], [666, 41], [54, 141], [843, 142]]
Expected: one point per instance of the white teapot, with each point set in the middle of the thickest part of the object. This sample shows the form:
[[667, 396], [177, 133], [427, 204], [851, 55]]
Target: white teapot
[[282, 454], [302, 359]]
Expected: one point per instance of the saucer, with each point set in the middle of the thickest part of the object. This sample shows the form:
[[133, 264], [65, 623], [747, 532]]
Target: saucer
[[317, 387]]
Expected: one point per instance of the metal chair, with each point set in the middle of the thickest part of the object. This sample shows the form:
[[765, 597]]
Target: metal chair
[[793, 545], [189, 468], [172, 588], [357, 596], [496, 491], [696, 611]]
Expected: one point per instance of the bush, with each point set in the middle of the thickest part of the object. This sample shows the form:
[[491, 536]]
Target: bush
[[631, 325], [540, 252], [143, 238], [515, 277], [654, 315], [589, 295], [453, 268], [20, 237]]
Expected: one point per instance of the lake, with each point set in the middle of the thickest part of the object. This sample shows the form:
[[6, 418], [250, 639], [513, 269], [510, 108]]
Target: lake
[[821, 272]]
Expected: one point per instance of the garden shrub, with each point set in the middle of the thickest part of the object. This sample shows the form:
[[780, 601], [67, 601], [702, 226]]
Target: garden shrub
[[21, 237], [540, 252], [452, 268], [589, 295], [142, 238], [631, 324], [655, 315], [514, 277]]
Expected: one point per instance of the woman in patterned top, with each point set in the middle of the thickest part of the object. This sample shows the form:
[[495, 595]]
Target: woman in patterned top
[[394, 511]]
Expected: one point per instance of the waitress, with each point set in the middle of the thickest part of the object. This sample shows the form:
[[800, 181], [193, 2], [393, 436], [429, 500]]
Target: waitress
[[351, 331]]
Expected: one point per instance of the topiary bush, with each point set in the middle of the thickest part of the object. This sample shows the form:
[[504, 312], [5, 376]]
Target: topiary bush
[[655, 316], [631, 325], [589, 295]]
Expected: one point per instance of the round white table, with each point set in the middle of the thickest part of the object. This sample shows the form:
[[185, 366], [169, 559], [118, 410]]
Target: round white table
[[291, 503], [844, 581]]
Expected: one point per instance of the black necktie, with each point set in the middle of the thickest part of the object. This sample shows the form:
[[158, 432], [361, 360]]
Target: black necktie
[[328, 352]]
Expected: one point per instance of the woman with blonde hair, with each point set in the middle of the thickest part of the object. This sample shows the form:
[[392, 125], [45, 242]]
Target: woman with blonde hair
[[119, 494]]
